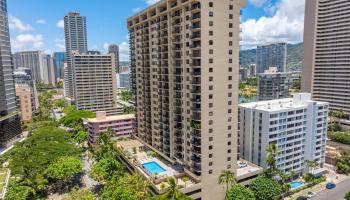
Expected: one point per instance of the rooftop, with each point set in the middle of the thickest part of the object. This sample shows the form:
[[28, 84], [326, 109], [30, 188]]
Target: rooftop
[[300, 100], [110, 118]]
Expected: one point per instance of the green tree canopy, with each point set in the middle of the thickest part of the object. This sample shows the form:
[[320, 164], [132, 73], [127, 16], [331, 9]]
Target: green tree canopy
[[265, 188], [128, 187], [64, 168], [239, 192], [75, 117], [107, 169]]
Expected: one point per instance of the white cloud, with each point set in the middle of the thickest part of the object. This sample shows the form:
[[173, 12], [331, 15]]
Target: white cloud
[[105, 46], [28, 42], [60, 24], [60, 44], [124, 54], [136, 10], [41, 21], [17, 25], [150, 2], [286, 25]]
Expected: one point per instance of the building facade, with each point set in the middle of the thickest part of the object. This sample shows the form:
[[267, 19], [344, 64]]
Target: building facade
[[23, 79], [122, 125], [271, 55], [273, 84], [59, 58], [326, 65], [39, 64], [298, 127], [10, 125], [184, 64], [124, 80], [114, 49], [252, 70], [95, 82], [24, 103], [76, 40]]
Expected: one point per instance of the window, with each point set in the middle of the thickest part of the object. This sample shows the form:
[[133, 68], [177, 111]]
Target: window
[[230, 78], [211, 13], [211, 51], [229, 159], [211, 42], [210, 69], [230, 34], [211, 60], [211, 33], [210, 155], [211, 23], [210, 78], [230, 7], [230, 25], [210, 163], [229, 143], [210, 171], [211, 4], [210, 147], [230, 69], [211, 87], [210, 105], [210, 96], [210, 139]]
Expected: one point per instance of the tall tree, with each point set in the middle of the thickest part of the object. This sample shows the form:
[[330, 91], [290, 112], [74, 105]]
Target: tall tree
[[228, 178], [271, 158], [311, 164]]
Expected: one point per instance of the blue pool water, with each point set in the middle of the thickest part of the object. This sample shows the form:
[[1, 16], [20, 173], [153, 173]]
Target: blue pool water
[[296, 184], [153, 167]]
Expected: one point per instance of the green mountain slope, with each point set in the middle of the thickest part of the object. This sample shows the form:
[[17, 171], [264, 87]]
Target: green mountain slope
[[294, 56]]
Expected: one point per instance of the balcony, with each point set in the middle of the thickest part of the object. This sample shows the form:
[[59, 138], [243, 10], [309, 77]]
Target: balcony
[[196, 158], [196, 142], [196, 16], [196, 7]]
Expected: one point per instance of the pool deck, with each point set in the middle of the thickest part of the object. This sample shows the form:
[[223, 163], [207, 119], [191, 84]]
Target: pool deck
[[168, 170]]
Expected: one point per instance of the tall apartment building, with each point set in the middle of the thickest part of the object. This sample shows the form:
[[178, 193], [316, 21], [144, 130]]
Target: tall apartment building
[[273, 84], [76, 40], [24, 102], [252, 70], [23, 79], [10, 125], [326, 40], [184, 63], [59, 58], [38, 62], [298, 127], [114, 49], [271, 55], [95, 82]]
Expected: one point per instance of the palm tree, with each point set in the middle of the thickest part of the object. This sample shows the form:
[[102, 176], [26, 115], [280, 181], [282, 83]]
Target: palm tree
[[173, 190], [311, 165], [271, 157], [228, 178]]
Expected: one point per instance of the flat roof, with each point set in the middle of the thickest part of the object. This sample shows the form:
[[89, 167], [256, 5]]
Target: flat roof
[[278, 104], [111, 118]]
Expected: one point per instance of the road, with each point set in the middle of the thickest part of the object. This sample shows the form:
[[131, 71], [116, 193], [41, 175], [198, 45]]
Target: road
[[337, 193]]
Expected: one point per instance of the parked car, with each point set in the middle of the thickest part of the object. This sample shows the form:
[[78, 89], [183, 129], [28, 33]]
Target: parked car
[[330, 185], [311, 194], [302, 198]]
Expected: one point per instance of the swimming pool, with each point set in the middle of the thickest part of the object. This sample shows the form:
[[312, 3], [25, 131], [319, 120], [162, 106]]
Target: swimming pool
[[296, 184], [153, 167]]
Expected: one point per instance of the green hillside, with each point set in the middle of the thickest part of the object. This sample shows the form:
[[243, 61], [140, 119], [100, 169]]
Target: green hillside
[[294, 56]]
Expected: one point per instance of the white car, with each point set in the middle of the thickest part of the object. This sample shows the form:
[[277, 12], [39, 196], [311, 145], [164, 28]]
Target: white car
[[311, 195]]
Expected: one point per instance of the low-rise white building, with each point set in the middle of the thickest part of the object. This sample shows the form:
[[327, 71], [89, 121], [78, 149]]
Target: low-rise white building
[[298, 127]]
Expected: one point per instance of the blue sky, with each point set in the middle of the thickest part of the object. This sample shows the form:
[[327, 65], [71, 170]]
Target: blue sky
[[35, 24]]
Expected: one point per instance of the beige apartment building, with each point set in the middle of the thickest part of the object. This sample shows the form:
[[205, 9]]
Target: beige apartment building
[[184, 61], [24, 101], [326, 71], [94, 81]]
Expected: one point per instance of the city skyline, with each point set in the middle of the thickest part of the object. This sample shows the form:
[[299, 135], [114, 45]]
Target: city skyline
[[34, 26]]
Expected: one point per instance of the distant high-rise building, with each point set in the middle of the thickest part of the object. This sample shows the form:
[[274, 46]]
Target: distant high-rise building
[[76, 40], [95, 82], [272, 55], [243, 74], [33, 60], [10, 125], [273, 84], [326, 64], [187, 102], [124, 80], [252, 70], [297, 126], [59, 58], [48, 70], [114, 49]]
